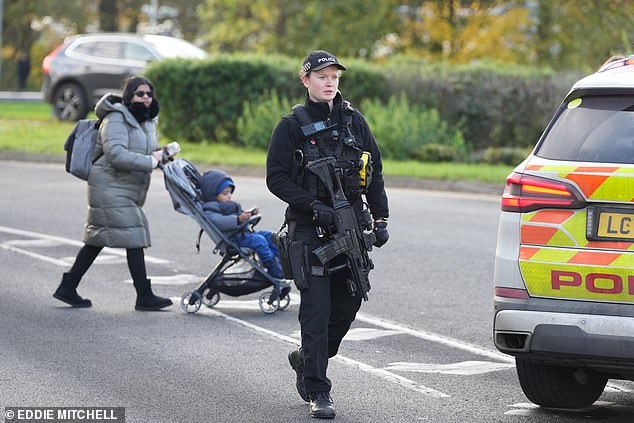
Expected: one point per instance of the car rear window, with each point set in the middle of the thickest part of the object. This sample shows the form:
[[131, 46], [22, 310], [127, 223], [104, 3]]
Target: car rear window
[[134, 51], [593, 129], [175, 47]]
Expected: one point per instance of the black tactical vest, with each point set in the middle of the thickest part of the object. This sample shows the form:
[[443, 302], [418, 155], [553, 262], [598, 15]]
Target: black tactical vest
[[321, 140]]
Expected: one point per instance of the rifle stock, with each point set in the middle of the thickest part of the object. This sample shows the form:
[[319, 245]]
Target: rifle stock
[[349, 238]]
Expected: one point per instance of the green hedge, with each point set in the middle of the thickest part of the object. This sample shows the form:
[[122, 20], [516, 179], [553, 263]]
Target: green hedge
[[402, 129], [202, 99], [490, 105], [493, 105], [259, 118]]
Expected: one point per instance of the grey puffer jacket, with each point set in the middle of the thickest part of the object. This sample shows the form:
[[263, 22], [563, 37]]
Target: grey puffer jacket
[[120, 178]]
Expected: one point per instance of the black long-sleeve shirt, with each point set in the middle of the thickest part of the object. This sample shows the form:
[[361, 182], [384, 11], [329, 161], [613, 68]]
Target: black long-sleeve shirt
[[287, 137]]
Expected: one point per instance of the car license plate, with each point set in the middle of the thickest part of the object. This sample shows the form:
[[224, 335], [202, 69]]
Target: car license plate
[[611, 224]]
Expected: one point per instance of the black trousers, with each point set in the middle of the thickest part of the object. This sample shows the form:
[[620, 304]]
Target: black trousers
[[326, 312]]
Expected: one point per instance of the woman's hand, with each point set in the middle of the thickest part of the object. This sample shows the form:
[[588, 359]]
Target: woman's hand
[[157, 156]]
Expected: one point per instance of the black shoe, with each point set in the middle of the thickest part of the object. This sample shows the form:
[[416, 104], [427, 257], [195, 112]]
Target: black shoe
[[70, 296], [297, 364], [151, 302], [321, 405]]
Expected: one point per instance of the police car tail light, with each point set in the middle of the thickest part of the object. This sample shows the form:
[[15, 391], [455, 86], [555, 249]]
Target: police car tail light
[[525, 193], [520, 294]]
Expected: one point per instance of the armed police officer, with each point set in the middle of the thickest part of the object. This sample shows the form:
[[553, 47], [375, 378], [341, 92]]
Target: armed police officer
[[323, 161]]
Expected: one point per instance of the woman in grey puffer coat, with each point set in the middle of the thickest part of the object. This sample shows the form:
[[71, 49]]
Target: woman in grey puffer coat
[[126, 153]]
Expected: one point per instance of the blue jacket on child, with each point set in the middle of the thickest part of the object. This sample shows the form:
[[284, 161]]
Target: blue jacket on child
[[225, 216]]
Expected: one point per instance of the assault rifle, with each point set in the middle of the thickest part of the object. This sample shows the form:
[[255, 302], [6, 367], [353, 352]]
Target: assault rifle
[[350, 237]]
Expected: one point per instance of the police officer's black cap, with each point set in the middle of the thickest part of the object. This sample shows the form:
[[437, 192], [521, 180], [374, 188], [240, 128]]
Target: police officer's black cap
[[320, 59]]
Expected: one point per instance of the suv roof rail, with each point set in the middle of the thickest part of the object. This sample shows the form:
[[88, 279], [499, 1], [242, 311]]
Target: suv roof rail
[[616, 62]]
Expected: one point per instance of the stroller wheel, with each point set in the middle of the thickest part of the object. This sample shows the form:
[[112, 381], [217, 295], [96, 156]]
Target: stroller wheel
[[266, 305], [284, 302], [191, 301], [210, 298]]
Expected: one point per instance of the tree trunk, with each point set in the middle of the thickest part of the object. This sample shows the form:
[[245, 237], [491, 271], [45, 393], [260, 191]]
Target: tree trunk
[[108, 12]]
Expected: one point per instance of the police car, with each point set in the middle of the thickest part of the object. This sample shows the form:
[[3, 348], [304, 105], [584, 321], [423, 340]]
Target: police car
[[564, 268]]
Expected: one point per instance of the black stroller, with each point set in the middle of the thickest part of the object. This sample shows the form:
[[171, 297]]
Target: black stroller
[[240, 271]]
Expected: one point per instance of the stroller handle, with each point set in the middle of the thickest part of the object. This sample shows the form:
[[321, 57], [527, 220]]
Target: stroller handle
[[249, 224]]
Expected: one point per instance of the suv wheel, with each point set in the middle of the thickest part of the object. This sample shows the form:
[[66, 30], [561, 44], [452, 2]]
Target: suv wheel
[[70, 103], [558, 387]]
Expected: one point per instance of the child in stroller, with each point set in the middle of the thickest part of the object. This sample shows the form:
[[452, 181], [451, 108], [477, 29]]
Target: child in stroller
[[241, 271], [216, 191]]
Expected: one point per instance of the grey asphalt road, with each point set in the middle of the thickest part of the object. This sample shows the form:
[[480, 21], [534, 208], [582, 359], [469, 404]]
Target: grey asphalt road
[[420, 349]]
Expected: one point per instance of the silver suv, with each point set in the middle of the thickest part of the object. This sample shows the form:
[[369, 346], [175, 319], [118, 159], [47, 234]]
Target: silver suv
[[84, 67], [564, 266]]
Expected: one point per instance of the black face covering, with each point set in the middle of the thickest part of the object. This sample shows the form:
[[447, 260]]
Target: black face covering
[[143, 113]]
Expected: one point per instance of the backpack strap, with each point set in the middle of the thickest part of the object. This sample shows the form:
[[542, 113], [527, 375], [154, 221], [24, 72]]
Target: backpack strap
[[300, 112], [348, 139], [100, 152], [308, 150]]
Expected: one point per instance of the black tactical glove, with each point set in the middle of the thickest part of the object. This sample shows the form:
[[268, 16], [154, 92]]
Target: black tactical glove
[[380, 231], [323, 215]]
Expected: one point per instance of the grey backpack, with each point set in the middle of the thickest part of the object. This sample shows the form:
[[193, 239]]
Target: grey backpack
[[80, 146]]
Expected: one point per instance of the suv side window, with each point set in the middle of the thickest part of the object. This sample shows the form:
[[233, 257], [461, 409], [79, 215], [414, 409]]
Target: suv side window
[[134, 51], [106, 49], [594, 129], [84, 48], [110, 50]]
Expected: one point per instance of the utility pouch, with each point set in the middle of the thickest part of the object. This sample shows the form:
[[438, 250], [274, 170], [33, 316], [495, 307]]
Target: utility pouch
[[283, 245], [365, 170], [298, 255], [352, 184]]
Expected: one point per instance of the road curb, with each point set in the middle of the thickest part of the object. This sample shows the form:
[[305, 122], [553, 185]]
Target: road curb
[[34, 96]]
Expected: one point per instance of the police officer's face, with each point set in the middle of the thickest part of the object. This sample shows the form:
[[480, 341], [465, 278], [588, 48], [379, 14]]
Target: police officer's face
[[323, 84]]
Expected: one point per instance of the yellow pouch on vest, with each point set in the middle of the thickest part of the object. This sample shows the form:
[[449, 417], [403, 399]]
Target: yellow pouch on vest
[[365, 169]]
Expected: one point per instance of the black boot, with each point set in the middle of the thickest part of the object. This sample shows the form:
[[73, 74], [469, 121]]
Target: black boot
[[146, 300], [296, 361], [67, 292], [321, 405]]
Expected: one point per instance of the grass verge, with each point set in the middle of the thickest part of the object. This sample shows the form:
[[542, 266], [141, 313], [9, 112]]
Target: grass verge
[[30, 128]]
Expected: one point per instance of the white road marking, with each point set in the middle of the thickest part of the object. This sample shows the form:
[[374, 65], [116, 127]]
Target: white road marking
[[464, 368], [238, 304], [614, 387], [34, 255], [61, 240], [528, 409], [382, 373], [390, 328], [33, 242], [367, 334], [173, 280], [393, 377], [429, 336], [439, 339]]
